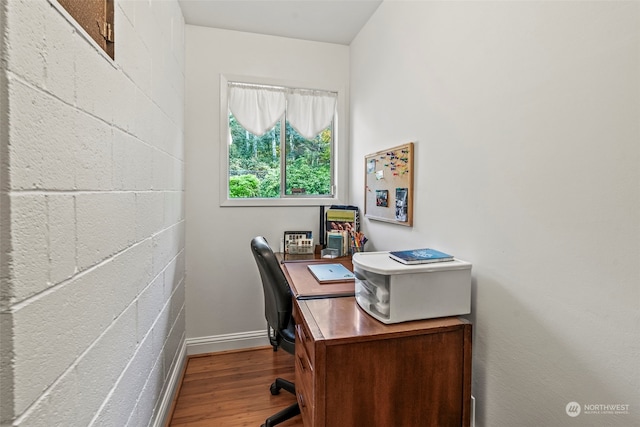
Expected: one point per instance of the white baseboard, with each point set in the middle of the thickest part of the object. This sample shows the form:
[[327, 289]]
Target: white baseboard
[[237, 341], [170, 388], [473, 411]]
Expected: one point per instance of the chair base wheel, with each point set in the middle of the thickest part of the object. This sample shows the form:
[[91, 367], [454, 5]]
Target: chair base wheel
[[274, 389]]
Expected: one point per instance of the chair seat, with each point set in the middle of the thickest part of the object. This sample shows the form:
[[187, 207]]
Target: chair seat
[[288, 339]]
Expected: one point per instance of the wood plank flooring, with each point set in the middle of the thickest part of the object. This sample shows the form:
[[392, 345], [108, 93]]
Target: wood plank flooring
[[231, 389]]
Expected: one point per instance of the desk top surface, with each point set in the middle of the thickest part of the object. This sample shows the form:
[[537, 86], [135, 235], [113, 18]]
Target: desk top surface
[[341, 318], [305, 286]]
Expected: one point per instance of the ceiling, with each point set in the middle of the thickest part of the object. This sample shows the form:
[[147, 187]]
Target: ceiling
[[330, 21]]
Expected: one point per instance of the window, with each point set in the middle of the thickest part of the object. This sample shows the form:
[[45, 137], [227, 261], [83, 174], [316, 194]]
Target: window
[[281, 144]]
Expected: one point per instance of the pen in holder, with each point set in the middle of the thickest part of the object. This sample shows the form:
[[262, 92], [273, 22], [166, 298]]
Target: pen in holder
[[358, 240]]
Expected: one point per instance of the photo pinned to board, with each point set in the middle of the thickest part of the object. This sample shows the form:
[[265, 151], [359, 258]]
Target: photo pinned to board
[[401, 204], [382, 198], [371, 166]]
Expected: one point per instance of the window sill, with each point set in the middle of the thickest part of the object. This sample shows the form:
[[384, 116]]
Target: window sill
[[281, 202]]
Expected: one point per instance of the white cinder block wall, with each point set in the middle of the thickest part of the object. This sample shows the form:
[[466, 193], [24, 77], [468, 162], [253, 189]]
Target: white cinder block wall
[[92, 302]]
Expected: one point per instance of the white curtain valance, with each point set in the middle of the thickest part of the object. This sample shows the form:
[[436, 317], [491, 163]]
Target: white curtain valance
[[258, 108], [310, 112]]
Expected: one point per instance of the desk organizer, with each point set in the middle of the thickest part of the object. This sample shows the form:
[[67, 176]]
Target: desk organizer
[[329, 253], [298, 242], [393, 292], [305, 247]]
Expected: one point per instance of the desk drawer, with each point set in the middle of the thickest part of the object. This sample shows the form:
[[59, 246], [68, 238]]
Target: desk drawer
[[304, 395], [304, 373], [303, 337], [304, 367]]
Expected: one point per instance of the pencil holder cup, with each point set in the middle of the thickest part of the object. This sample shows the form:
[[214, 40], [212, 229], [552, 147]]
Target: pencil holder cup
[[355, 249]]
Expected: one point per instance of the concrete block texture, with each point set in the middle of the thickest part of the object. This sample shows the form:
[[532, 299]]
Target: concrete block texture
[[93, 153], [94, 215], [150, 304], [149, 213], [95, 83], [105, 225], [173, 207], [124, 117], [47, 343], [61, 58], [101, 297], [58, 405], [131, 162], [166, 246], [174, 341], [42, 139], [21, 36], [121, 405], [113, 351], [62, 236], [30, 261], [173, 275]]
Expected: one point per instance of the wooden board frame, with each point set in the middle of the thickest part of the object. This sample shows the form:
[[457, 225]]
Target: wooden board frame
[[388, 185]]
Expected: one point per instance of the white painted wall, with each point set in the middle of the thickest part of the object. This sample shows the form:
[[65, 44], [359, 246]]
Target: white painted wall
[[526, 118], [224, 294], [92, 303]]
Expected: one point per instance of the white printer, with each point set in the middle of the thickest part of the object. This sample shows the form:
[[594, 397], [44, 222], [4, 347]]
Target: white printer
[[393, 292]]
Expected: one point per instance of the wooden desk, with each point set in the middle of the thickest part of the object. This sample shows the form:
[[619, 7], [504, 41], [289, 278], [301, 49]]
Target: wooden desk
[[305, 286], [353, 371]]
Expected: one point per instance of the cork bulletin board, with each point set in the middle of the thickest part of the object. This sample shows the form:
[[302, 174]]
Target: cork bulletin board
[[388, 180]]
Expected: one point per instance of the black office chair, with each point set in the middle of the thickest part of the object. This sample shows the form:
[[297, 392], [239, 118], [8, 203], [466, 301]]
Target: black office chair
[[278, 312]]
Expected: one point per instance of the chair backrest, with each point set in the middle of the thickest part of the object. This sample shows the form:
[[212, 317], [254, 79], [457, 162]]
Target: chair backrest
[[277, 295]]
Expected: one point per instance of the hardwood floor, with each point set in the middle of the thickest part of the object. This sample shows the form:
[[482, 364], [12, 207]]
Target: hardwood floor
[[231, 389]]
